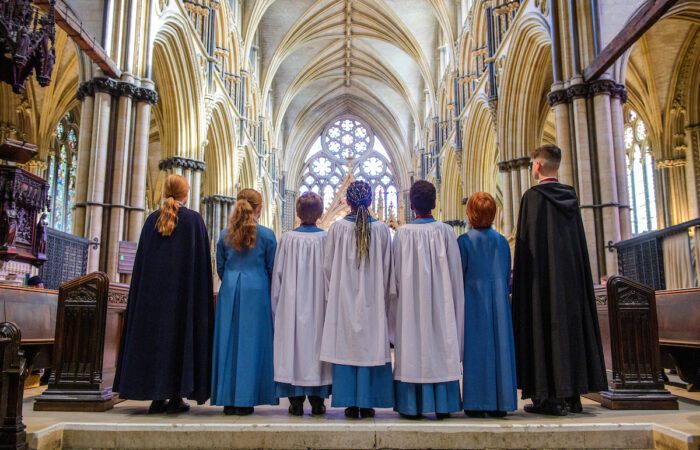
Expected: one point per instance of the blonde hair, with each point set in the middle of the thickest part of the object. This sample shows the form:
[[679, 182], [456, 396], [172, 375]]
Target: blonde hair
[[175, 190], [242, 223]]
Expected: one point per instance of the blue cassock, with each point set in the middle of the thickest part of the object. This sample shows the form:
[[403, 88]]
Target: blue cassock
[[242, 372], [489, 358]]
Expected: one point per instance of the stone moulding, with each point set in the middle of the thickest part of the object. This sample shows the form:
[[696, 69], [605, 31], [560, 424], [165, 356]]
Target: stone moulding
[[586, 90], [184, 163], [116, 88]]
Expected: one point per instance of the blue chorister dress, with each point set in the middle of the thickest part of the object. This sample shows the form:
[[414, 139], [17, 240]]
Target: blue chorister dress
[[242, 364], [489, 357], [421, 398], [290, 390]]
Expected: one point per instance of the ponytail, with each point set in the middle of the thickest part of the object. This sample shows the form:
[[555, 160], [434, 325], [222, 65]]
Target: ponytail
[[174, 191], [242, 224]]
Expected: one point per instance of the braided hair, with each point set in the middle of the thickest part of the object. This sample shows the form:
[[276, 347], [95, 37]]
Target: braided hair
[[359, 197]]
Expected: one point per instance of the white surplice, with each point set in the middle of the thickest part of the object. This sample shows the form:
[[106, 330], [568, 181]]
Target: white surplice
[[356, 330], [299, 309], [428, 291]]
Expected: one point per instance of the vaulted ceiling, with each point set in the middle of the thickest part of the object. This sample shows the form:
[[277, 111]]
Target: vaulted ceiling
[[364, 57]]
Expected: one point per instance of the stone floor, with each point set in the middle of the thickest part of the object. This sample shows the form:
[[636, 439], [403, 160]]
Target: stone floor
[[128, 427]]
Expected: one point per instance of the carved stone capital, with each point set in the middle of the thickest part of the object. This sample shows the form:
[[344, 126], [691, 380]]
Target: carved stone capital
[[557, 97], [577, 91], [179, 161], [602, 87], [116, 88]]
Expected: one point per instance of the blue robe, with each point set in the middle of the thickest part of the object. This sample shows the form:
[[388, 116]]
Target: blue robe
[[290, 390], [489, 358], [242, 372], [421, 398]]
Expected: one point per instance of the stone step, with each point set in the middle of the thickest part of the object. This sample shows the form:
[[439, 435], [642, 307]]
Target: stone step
[[370, 435]]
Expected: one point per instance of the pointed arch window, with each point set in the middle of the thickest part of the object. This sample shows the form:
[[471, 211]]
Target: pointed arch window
[[62, 165], [347, 145], [640, 174]]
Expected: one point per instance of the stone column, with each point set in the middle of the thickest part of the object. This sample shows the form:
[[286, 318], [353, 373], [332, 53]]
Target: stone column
[[139, 163], [559, 101], [119, 170], [516, 194], [618, 97], [508, 219], [578, 93], [96, 180], [216, 218], [609, 200], [196, 190], [525, 176], [692, 167], [83, 170]]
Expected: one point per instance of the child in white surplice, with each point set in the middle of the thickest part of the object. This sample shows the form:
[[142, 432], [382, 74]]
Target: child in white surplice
[[299, 309]]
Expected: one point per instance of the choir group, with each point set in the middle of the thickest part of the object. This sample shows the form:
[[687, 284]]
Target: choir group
[[316, 315]]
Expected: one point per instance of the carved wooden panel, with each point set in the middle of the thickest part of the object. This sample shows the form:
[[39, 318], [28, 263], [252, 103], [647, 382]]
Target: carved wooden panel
[[12, 375]]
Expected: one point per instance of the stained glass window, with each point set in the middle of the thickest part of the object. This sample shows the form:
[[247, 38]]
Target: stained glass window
[[62, 165], [349, 145], [640, 174]]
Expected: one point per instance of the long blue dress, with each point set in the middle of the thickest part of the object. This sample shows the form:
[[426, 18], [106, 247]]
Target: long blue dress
[[489, 357], [421, 398], [242, 364]]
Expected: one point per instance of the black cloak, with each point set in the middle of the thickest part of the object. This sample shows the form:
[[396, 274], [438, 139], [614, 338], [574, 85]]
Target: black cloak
[[168, 326], [557, 337]]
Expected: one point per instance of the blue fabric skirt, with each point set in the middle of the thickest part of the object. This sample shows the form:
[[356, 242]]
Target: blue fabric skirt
[[290, 390], [242, 367], [422, 398], [364, 387]]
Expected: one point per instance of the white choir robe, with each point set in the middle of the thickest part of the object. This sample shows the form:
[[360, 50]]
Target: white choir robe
[[356, 332], [299, 310], [428, 292]]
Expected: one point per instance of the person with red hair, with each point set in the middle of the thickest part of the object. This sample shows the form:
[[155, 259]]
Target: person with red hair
[[489, 386]]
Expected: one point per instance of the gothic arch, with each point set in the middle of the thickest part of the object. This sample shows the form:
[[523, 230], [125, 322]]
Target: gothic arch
[[525, 82]]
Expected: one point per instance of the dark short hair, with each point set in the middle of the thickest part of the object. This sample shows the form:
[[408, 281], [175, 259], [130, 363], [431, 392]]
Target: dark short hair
[[423, 196], [309, 207], [481, 210], [550, 154], [35, 281]]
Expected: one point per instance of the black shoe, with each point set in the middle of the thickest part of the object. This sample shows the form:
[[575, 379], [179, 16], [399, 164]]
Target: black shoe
[[442, 416], [177, 406], [230, 410], [497, 414], [317, 406], [157, 407], [352, 412], [411, 416], [366, 412], [296, 406], [475, 414], [548, 408], [574, 405], [243, 411]]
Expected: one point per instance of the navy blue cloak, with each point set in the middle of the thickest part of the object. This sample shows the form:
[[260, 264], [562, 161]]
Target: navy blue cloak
[[557, 337], [167, 337]]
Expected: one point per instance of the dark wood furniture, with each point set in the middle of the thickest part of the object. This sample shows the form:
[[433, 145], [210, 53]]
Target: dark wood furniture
[[13, 372], [678, 316], [679, 333], [34, 312], [88, 332], [22, 198], [637, 376]]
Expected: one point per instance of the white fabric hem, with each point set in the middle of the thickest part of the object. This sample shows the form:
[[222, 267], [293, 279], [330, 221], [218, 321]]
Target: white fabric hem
[[305, 383], [428, 380], [356, 363]]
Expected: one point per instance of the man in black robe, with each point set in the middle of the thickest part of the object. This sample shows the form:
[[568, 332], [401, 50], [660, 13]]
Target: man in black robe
[[558, 349], [168, 328]]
